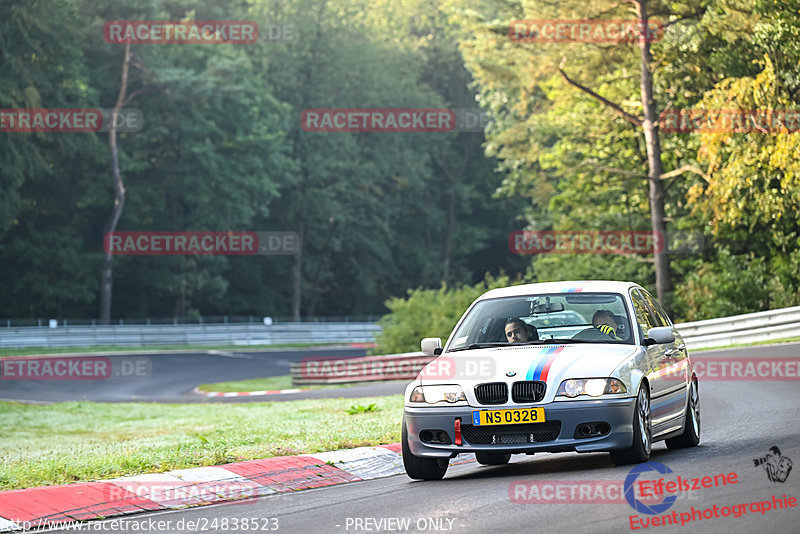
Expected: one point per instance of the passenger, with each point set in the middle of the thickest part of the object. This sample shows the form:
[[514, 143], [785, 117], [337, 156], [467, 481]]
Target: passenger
[[604, 321], [518, 331]]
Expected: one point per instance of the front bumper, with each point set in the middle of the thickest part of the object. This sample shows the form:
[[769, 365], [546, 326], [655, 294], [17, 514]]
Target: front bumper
[[618, 413]]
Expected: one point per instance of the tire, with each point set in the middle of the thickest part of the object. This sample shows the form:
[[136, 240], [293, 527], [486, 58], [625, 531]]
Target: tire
[[492, 458], [691, 424], [418, 467], [639, 451]]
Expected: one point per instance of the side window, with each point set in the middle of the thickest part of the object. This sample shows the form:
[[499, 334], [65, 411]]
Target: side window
[[643, 314], [658, 311]]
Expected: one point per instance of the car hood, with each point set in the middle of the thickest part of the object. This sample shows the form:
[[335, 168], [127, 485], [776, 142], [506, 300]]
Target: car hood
[[550, 363]]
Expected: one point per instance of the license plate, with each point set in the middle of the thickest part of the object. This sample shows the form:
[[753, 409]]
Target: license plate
[[508, 417]]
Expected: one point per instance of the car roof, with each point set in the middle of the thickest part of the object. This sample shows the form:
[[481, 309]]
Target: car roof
[[580, 286]]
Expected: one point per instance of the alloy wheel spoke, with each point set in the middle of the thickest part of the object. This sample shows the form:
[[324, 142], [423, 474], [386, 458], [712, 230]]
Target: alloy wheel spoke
[[695, 409], [644, 420]]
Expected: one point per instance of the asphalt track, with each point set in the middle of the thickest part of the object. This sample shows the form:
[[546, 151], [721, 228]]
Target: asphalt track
[[741, 420], [171, 377]]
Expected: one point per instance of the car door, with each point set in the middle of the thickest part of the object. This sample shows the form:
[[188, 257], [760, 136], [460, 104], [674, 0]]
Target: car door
[[645, 321], [669, 395]]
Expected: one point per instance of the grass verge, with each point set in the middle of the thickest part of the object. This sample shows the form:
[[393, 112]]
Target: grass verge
[[84, 441]]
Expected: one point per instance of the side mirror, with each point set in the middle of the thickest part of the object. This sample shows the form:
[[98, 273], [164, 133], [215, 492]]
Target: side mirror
[[432, 346], [661, 334]]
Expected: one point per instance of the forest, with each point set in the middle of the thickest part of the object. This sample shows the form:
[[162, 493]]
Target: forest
[[571, 143]]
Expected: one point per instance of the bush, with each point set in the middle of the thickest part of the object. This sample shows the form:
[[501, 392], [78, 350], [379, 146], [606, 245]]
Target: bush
[[428, 313], [729, 285]]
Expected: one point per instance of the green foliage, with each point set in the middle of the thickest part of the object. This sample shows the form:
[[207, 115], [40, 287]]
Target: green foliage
[[222, 148], [582, 167], [429, 313], [728, 286], [736, 284], [754, 178], [632, 268], [356, 409], [43, 66]]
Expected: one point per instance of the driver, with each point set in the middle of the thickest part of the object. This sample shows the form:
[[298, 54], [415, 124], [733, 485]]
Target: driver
[[604, 321], [518, 331]]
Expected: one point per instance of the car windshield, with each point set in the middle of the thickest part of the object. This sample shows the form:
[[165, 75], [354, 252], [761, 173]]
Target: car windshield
[[545, 318]]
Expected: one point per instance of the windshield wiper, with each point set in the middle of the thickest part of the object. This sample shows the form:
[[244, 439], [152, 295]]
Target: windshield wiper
[[480, 346], [557, 341], [568, 341]]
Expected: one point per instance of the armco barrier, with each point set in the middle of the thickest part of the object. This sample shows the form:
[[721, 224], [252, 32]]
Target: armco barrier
[[760, 326], [747, 328], [192, 334]]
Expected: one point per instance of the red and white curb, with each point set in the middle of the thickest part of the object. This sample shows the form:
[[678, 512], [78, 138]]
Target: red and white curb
[[197, 391], [235, 483]]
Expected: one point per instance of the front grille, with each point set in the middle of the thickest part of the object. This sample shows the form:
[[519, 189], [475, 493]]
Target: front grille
[[506, 434], [530, 391], [493, 393]]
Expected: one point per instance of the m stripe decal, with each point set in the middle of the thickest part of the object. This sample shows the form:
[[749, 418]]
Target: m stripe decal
[[539, 369]]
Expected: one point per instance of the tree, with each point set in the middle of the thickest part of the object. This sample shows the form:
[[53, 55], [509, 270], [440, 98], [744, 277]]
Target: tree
[[43, 175], [373, 208], [517, 82], [123, 99], [208, 157]]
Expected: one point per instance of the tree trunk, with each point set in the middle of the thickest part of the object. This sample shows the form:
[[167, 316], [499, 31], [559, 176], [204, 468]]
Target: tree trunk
[[448, 232], [450, 220], [649, 125], [119, 193], [653, 144], [297, 275]]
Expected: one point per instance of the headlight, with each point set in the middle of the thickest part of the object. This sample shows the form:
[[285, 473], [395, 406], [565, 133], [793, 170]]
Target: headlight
[[434, 394], [594, 387]]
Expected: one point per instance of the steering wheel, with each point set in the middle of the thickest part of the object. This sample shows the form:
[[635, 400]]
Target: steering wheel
[[592, 334]]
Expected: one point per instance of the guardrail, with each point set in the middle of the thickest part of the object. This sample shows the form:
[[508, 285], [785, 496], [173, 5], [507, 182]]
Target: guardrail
[[194, 334], [746, 328]]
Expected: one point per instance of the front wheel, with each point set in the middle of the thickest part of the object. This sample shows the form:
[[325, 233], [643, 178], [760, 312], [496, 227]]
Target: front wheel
[[492, 458], [642, 438], [691, 424], [419, 467]]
